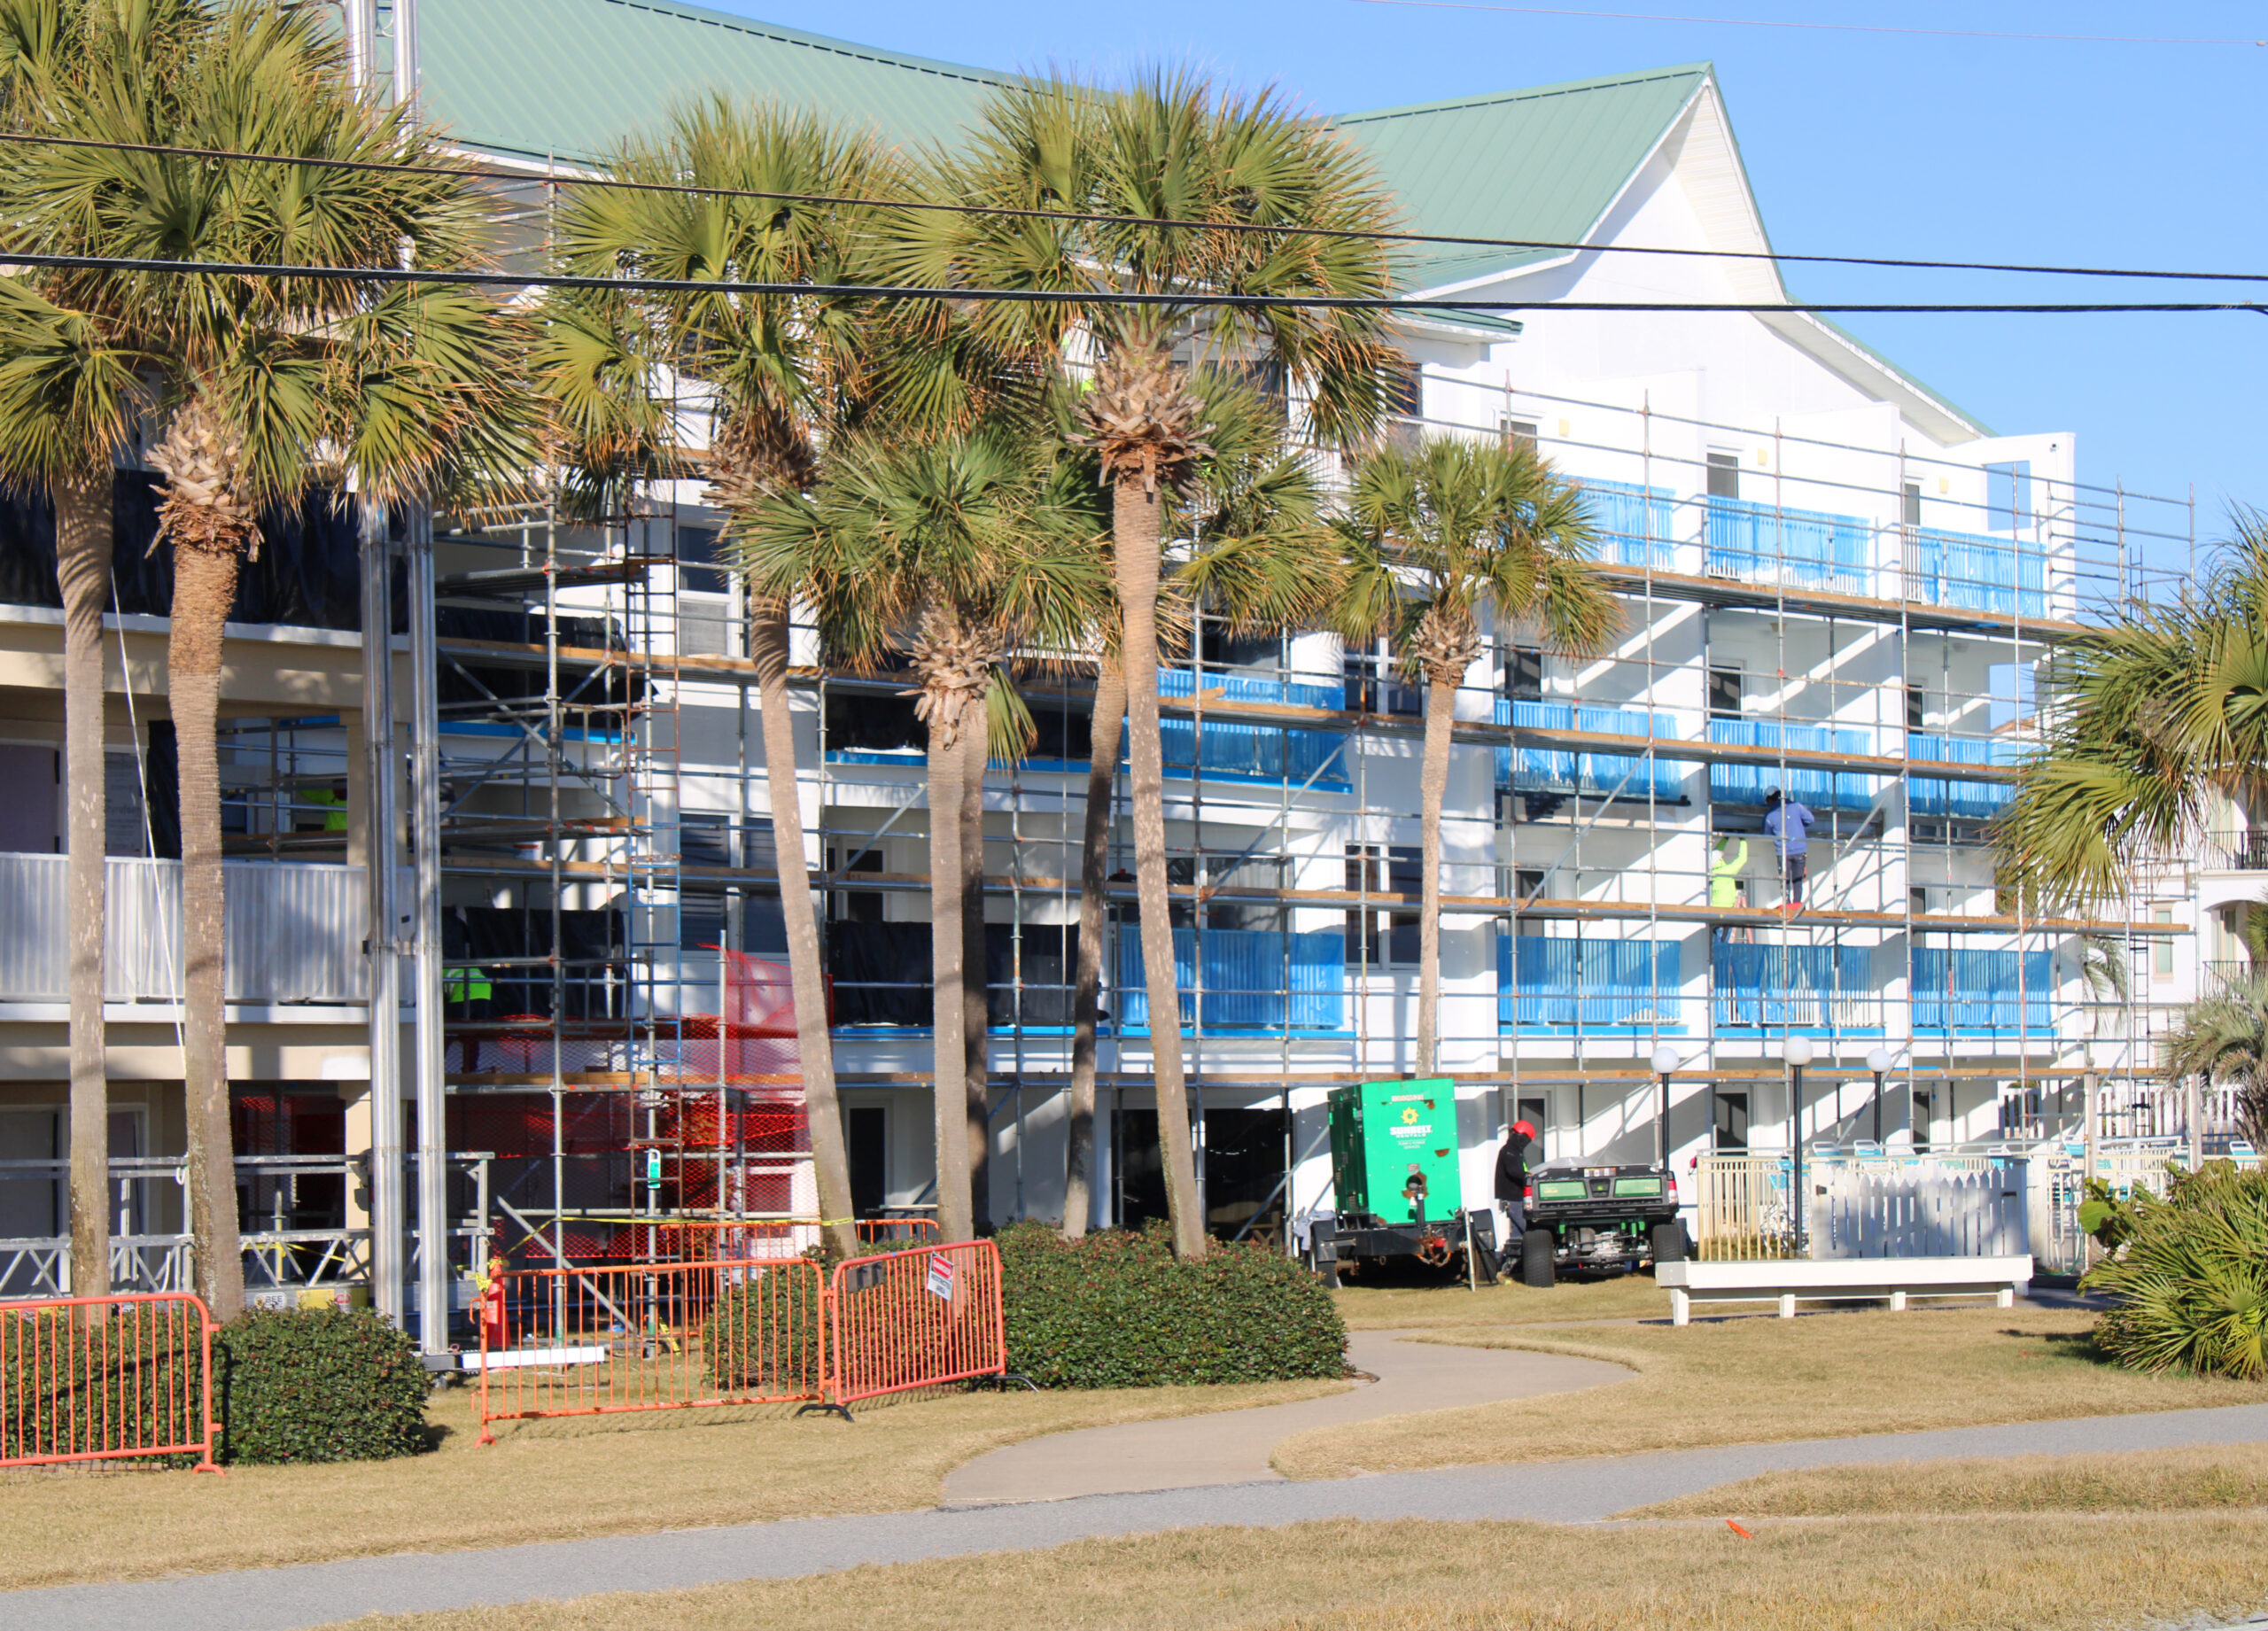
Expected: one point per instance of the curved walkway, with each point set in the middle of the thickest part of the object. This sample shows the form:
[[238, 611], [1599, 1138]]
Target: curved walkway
[[1232, 1447]]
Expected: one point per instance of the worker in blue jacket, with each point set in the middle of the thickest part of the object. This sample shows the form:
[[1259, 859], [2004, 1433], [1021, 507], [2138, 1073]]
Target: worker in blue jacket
[[1788, 821]]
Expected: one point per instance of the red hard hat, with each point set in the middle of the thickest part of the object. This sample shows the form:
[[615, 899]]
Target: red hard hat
[[1523, 1129]]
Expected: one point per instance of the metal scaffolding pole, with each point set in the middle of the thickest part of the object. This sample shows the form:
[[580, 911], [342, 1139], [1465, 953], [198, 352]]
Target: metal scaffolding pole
[[379, 820], [425, 802]]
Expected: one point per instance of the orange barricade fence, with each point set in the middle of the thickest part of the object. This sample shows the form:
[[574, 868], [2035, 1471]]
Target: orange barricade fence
[[99, 1378], [602, 1339], [708, 1239], [914, 1319]]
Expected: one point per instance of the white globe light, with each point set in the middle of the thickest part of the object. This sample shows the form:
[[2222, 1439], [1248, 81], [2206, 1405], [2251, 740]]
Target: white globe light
[[1796, 1050], [1664, 1060], [1879, 1061]]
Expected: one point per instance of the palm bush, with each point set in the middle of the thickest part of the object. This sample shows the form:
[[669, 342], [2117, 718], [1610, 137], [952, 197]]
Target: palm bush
[[2191, 1279]]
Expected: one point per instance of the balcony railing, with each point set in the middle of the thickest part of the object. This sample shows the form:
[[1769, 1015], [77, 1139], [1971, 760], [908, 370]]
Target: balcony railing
[[1549, 770], [1797, 986], [1979, 801], [294, 931], [1562, 984], [1637, 526], [2235, 849], [1241, 750], [1255, 979], [1802, 548], [1821, 789], [1967, 992], [1983, 574]]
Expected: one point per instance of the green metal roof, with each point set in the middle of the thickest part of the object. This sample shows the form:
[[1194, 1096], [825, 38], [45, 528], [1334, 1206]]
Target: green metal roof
[[1544, 163], [573, 78]]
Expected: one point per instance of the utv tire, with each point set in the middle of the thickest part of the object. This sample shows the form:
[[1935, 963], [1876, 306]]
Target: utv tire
[[1668, 1242], [1536, 1266]]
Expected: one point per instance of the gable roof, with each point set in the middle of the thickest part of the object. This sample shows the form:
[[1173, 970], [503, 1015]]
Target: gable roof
[[573, 78], [1448, 163]]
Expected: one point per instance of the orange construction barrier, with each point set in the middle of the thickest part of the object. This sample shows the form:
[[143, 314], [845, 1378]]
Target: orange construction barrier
[[916, 1319], [99, 1378], [593, 1341]]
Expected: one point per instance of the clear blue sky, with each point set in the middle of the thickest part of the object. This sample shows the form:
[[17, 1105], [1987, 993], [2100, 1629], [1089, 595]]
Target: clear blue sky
[[1929, 148]]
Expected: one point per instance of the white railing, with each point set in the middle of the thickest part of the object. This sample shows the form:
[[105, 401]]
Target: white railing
[[294, 931], [1861, 1211]]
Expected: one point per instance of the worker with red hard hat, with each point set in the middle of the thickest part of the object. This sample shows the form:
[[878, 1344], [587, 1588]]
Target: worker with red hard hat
[[1511, 1182]]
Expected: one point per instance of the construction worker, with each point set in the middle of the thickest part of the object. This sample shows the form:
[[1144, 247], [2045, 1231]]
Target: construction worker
[[1788, 820], [1512, 1162], [1727, 886], [332, 800], [467, 994]]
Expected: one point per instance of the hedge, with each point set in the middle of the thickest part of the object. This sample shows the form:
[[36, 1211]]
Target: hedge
[[763, 1335], [1118, 1309], [311, 1385], [2189, 1275]]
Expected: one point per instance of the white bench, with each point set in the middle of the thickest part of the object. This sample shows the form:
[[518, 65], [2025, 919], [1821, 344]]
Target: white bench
[[1840, 1280]]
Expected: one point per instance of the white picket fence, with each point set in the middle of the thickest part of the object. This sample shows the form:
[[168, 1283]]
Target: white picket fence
[[1857, 1211]]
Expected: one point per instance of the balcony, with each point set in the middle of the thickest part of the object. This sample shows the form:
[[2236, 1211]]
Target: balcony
[[294, 932], [1821, 789], [1636, 525], [1968, 993], [2234, 850], [1598, 776], [1255, 980], [1982, 574], [1801, 549], [1561, 985], [1974, 800], [1794, 988], [1242, 750]]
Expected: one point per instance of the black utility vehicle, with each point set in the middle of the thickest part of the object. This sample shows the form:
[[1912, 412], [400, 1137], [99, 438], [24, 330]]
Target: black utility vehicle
[[1598, 1217]]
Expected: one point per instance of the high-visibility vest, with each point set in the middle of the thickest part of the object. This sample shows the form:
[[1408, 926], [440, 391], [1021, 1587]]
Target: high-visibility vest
[[335, 821], [465, 982]]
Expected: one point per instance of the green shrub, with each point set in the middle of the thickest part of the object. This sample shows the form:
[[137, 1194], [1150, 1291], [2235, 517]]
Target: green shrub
[[2191, 1278], [1118, 1309], [763, 1336], [317, 1384]]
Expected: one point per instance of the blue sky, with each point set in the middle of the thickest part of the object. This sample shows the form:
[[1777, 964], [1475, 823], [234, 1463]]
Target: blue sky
[[1928, 148]]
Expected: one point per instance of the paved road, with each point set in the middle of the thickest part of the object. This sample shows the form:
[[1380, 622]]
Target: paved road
[[1234, 1446], [1561, 1492]]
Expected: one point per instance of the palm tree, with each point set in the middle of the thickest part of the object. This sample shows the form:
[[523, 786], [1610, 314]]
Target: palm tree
[[949, 553], [1168, 150], [69, 393], [270, 387], [1438, 540], [2153, 722]]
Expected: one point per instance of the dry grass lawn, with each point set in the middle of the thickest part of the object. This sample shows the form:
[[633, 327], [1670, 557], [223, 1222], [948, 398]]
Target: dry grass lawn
[[546, 1480], [1868, 1574], [1631, 1296], [2198, 1478], [1758, 1380]]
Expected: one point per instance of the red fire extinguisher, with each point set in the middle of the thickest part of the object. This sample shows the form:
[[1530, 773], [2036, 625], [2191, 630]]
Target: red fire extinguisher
[[494, 1336]]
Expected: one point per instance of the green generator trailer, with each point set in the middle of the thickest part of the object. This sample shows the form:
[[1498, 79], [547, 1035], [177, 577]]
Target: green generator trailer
[[1393, 1169]]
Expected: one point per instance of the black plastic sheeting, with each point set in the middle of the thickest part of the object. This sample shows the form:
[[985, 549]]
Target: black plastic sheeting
[[471, 933], [881, 974]]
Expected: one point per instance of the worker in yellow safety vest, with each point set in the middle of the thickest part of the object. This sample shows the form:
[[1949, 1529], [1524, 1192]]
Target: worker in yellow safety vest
[[467, 994], [333, 800]]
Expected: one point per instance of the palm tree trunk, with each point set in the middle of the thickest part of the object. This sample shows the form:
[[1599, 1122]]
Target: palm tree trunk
[[82, 551], [1135, 538], [814, 1040], [205, 585], [1432, 787], [948, 947], [1094, 906], [977, 1023]]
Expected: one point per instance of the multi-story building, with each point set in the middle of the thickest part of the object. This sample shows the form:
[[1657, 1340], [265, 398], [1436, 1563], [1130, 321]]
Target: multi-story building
[[1836, 583]]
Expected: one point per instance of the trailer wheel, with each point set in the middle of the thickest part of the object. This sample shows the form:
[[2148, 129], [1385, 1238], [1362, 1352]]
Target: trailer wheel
[[1668, 1242], [1537, 1269]]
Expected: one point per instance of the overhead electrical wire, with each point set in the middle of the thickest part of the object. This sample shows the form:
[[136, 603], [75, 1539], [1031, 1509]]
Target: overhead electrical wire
[[1775, 22], [929, 206], [1064, 297]]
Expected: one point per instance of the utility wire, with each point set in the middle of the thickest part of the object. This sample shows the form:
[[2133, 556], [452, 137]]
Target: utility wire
[[928, 205], [1057, 297], [1771, 22]]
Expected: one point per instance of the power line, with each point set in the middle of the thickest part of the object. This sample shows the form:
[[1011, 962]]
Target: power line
[[1770, 22], [1068, 296], [929, 205]]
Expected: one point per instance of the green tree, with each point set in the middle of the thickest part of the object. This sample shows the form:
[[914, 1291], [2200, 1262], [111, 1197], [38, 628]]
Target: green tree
[[1172, 148], [1441, 540], [954, 554], [266, 387]]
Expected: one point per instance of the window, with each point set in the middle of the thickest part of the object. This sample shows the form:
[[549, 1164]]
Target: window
[[1724, 475], [1376, 939], [1917, 712], [1255, 872], [1373, 685], [1729, 1131], [1524, 674], [1918, 901], [1537, 1114], [1924, 1115], [2161, 946], [1912, 514], [1405, 389], [698, 569], [1520, 432], [867, 1139], [1724, 692], [1219, 648], [2008, 495], [855, 905], [1528, 882]]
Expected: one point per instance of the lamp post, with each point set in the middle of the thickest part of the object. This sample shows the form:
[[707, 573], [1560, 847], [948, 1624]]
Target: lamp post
[[1879, 1062], [1796, 1052], [1665, 1063]]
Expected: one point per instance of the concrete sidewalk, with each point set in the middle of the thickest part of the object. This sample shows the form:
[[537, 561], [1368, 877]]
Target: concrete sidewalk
[[1556, 1492]]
